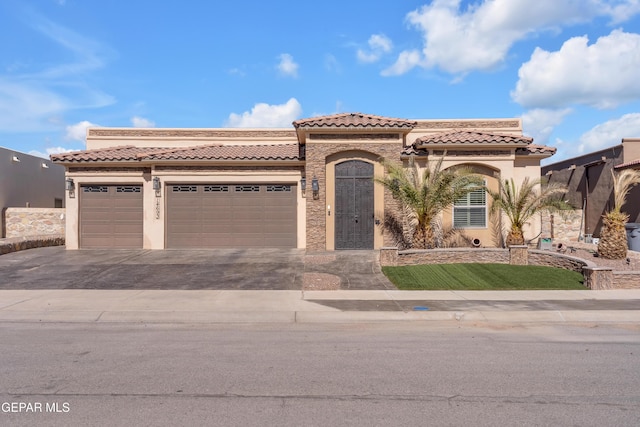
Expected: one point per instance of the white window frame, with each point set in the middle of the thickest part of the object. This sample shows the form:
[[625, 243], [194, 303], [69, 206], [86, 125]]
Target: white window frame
[[464, 205]]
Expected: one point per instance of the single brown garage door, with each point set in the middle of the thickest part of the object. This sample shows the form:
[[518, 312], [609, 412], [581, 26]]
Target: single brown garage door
[[111, 216], [231, 216]]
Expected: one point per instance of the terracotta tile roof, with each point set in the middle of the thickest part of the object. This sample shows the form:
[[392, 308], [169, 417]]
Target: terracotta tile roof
[[354, 120], [628, 164], [413, 151], [229, 152], [472, 137], [536, 149], [120, 154], [205, 152]]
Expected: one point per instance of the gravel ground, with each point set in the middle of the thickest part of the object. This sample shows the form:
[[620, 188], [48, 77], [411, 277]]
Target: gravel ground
[[588, 252]]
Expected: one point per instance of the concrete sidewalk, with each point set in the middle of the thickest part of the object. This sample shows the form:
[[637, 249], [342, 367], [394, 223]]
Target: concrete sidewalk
[[290, 306]]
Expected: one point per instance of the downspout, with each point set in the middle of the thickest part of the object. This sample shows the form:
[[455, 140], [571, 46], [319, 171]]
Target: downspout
[[581, 234], [585, 205]]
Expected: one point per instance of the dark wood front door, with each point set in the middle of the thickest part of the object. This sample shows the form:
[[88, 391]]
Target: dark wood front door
[[354, 215]]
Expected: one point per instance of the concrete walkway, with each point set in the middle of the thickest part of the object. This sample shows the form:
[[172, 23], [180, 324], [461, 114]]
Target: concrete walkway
[[238, 306]]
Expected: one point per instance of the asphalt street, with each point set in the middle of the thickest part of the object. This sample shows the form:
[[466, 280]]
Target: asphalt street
[[348, 374]]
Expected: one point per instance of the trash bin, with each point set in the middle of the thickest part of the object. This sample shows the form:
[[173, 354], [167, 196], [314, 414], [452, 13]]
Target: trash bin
[[633, 236]]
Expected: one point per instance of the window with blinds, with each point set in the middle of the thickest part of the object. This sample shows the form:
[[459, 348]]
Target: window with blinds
[[470, 211]]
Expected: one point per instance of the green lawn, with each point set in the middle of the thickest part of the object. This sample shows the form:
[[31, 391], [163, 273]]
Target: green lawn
[[482, 277]]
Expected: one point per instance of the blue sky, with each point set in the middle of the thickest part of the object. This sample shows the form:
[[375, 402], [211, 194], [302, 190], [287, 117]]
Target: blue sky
[[569, 68]]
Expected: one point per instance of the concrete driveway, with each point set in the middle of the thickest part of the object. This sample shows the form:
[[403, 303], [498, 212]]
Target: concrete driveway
[[249, 269]]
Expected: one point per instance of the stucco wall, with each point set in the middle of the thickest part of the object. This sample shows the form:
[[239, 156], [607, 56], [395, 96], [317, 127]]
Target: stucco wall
[[29, 181], [23, 222], [591, 182]]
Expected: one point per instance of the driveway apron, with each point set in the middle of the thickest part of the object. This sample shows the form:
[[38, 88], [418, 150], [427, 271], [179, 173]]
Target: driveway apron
[[217, 269]]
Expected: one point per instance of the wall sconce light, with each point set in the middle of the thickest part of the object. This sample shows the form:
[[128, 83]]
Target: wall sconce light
[[156, 183], [15, 158], [315, 188], [303, 185], [45, 166], [70, 184]]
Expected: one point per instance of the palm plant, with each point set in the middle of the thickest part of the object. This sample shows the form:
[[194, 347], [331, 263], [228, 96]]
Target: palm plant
[[613, 236], [425, 194], [521, 204]]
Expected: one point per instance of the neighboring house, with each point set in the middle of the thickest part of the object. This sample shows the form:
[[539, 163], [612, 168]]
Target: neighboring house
[[29, 181], [590, 183], [307, 187]]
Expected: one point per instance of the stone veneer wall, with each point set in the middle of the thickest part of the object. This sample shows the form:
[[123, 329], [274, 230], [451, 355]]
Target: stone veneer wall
[[626, 279], [24, 222], [452, 256], [316, 157], [566, 229], [552, 259]]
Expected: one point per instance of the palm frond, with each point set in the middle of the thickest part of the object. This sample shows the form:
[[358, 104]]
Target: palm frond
[[521, 204], [622, 184], [425, 193]]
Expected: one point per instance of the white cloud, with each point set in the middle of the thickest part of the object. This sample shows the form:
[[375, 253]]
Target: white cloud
[[265, 115], [141, 122], [621, 11], [539, 123], [332, 64], [480, 36], [28, 106], [379, 44], [406, 61], [51, 150], [287, 66], [78, 132], [609, 133], [603, 75]]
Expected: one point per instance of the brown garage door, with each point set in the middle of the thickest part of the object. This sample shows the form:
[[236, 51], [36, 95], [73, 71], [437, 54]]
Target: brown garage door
[[111, 216], [231, 216]]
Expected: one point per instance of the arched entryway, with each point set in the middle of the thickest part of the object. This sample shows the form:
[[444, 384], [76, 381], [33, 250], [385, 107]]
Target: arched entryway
[[354, 205]]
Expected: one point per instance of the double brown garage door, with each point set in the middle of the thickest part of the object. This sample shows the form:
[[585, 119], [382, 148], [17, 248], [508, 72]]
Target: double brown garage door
[[231, 216], [197, 216]]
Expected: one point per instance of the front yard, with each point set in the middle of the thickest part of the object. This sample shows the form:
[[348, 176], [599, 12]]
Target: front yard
[[482, 277]]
